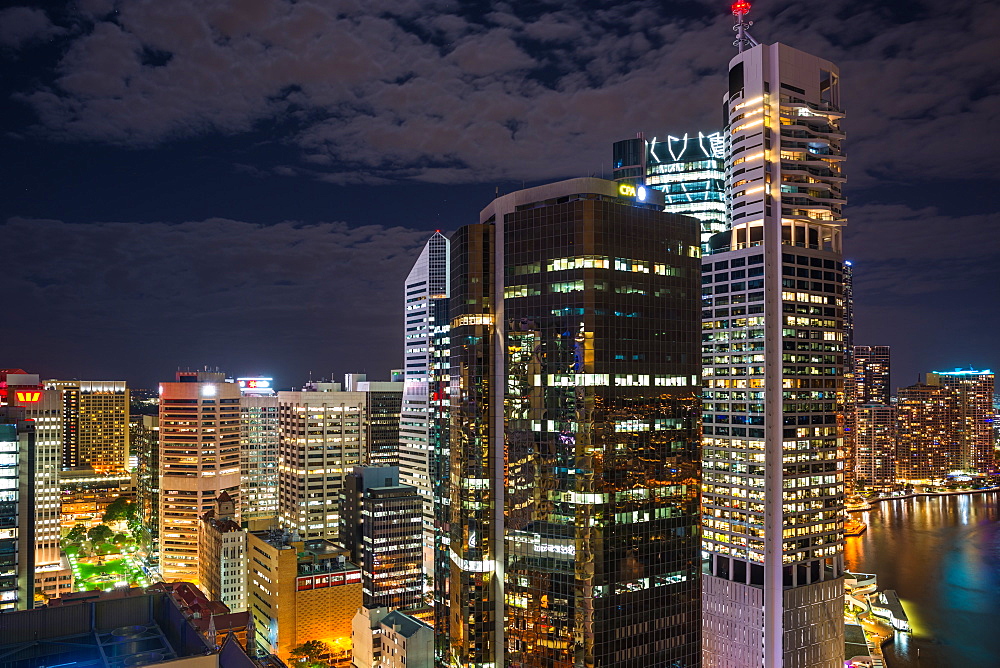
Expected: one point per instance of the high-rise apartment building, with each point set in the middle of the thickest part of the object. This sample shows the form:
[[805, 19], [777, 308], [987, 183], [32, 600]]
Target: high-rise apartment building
[[773, 491], [322, 438], [423, 442], [574, 435], [689, 170], [874, 439], [17, 519], [199, 460], [946, 425], [866, 381], [871, 375], [95, 424], [381, 528], [259, 450]]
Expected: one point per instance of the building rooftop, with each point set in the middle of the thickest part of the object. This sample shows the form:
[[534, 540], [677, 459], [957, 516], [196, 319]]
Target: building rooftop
[[404, 624]]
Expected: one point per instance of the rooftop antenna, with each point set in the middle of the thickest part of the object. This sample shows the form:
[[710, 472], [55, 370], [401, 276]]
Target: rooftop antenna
[[743, 38]]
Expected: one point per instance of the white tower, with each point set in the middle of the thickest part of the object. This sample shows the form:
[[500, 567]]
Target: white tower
[[773, 322]]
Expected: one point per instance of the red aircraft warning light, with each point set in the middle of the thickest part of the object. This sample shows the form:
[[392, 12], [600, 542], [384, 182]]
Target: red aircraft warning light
[[740, 7]]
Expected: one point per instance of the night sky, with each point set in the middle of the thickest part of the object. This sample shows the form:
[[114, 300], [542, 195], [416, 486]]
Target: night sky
[[245, 184]]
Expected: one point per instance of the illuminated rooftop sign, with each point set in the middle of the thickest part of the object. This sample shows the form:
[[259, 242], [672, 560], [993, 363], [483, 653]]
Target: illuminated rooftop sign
[[628, 190], [28, 397], [256, 385]]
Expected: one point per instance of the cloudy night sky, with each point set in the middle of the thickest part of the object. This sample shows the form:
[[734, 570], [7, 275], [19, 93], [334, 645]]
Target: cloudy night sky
[[245, 184]]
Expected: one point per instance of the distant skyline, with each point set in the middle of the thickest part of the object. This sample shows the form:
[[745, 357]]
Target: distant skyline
[[245, 185]]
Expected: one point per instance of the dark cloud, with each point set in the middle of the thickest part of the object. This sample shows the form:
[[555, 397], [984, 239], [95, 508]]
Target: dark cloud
[[144, 298], [22, 25], [429, 91]]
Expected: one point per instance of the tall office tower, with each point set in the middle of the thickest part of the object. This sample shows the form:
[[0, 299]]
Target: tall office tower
[[45, 409], [574, 433], [875, 443], [259, 449], [144, 438], [946, 424], [381, 528], [689, 170], [422, 428], [773, 491], [199, 459], [384, 404], [321, 439], [95, 424], [222, 555], [17, 522]]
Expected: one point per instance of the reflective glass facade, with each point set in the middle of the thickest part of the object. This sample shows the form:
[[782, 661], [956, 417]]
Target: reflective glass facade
[[575, 453]]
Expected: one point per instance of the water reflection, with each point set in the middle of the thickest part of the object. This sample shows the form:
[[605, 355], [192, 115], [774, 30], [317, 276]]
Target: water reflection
[[942, 555]]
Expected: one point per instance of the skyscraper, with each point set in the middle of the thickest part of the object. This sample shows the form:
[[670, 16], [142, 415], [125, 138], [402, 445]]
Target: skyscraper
[[688, 170], [874, 439], [574, 436], [259, 449], [946, 424], [199, 459], [17, 521], [95, 424], [866, 382], [381, 527], [423, 442], [322, 438], [773, 489], [45, 409]]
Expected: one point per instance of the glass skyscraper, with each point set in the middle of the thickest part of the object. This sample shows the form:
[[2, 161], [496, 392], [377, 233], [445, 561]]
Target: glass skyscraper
[[574, 436]]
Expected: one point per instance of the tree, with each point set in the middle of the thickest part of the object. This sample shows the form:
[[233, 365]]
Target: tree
[[119, 539], [313, 653], [119, 509], [100, 534], [77, 533]]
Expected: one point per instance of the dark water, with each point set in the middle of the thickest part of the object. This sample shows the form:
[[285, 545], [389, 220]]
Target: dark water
[[942, 555]]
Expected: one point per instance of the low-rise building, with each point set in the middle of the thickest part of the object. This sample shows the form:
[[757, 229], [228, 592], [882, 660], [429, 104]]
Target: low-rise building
[[299, 591], [222, 550]]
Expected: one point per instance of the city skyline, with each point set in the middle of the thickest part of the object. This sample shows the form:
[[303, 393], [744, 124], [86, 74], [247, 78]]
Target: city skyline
[[267, 212]]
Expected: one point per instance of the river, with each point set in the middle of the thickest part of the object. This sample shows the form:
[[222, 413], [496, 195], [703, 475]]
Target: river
[[942, 556]]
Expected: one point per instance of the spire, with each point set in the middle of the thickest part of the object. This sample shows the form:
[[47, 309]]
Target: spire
[[744, 40]]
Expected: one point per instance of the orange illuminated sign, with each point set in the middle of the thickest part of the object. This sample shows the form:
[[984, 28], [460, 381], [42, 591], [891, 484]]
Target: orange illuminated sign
[[28, 397]]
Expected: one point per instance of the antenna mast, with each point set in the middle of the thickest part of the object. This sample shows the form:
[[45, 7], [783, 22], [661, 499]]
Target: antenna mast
[[743, 38]]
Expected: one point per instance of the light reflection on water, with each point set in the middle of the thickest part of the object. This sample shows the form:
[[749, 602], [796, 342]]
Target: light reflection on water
[[942, 556]]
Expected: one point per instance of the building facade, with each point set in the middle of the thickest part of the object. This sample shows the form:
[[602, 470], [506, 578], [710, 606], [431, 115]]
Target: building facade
[[17, 517], [95, 424], [423, 443], [145, 441], [574, 434], [874, 438], [946, 425], [773, 346], [299, 591], [381, 528], [222, 555], [199, 460], [259, 451], [322, 438]]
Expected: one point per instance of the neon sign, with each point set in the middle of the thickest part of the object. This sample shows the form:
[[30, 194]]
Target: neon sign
[[626, 190], [28, 397]]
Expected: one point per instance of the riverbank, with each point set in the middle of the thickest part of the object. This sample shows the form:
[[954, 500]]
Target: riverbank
[[913, 495]]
